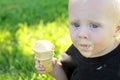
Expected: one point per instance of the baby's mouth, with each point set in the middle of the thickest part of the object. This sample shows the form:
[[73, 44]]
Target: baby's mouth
[[86, 47]]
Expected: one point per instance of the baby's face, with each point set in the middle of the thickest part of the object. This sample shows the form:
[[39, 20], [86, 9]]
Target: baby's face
[[92, 26]]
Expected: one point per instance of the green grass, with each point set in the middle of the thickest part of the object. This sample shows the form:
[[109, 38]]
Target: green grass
[[22, 22]]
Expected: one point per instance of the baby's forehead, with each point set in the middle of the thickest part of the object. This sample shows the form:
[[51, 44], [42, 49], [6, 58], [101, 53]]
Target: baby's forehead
[[88, 2], [89, 5], [106, 5], [109, 7]]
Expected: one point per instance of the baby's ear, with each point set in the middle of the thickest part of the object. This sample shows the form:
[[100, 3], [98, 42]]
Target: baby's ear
[[117, 32]]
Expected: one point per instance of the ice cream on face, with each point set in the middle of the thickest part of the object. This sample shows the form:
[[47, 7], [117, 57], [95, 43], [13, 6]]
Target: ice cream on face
[[44, 51]]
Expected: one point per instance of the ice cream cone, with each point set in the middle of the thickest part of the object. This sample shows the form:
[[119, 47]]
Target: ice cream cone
[[44, 51]]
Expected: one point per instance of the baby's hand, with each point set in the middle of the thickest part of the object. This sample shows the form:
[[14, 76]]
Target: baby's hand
[[39, 67], [57, 72]]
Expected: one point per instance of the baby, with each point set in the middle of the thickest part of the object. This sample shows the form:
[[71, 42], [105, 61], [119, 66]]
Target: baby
[[95, 53]]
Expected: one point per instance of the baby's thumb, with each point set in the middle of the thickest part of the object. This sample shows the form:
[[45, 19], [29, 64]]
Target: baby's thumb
[[54, 61]]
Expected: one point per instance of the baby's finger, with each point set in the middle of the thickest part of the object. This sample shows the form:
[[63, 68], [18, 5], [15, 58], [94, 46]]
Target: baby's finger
[[54, 60], [41, 69], [38, 65]]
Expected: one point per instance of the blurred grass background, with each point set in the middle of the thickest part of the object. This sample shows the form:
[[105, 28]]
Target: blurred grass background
[[22, 22]]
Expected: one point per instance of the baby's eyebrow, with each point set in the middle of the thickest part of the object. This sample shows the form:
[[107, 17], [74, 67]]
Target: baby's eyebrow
[[74, 21], [94, 22]]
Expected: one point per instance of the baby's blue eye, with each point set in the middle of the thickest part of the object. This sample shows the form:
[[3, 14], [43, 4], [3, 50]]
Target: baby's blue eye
[[76, 25], [93, 26]]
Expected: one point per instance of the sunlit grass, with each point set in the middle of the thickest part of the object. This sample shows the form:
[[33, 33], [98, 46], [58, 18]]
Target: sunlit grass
[[56, 32], [17, 57]]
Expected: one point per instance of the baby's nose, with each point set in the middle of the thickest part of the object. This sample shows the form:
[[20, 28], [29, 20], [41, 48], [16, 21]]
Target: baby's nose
[[83, 33]]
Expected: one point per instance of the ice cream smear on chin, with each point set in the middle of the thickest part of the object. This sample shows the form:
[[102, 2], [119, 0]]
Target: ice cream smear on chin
[[86, 46], [44, 51]]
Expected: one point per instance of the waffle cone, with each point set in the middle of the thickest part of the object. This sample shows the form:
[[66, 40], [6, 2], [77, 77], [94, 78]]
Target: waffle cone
[[46, 60], [47, 65], [44, 55]]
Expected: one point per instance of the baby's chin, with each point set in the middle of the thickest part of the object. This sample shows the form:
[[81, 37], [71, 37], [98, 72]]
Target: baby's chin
[[87, 54]]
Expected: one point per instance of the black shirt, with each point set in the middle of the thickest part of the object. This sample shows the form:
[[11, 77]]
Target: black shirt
[[77, 67]]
